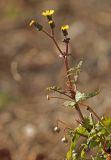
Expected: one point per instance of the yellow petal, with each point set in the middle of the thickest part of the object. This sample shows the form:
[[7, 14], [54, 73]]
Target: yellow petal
[[50, 22], [48, 13], [65, 27]]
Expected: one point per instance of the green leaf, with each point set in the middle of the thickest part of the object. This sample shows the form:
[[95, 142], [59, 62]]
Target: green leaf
[[70, 155], [75, 71], [107, 121], [101, 129], [91, 119], [98, 157], [83, 154], [93, 141], [84, 96], [78, 70], [69, 104], [74, 141], [87, 125], [81, 130], [80, 97]]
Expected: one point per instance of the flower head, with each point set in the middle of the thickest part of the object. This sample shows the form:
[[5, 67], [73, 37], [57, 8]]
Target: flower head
[[48, 13], [35, 24], [65, 27]]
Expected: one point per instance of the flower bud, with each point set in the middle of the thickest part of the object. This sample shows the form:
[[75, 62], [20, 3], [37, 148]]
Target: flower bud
[[48, 98], [60, 55], [52, 24], [64, 139], [56, 129], [36, 25]]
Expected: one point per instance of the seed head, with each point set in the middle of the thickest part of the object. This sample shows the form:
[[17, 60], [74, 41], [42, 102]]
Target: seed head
[[57, 129], [48, 98], [64, 139]]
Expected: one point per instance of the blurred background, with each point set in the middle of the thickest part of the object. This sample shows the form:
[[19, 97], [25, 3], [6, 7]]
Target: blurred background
[[29, 63]]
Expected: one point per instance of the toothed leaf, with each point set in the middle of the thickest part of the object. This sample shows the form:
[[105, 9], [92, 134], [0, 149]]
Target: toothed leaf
[[75, 71], [84, 96]]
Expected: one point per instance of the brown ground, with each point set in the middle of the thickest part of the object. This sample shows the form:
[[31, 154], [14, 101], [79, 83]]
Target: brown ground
[[29, 63]]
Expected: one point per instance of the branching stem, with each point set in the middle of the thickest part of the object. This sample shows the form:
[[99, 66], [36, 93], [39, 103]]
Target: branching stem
[[66, 64]]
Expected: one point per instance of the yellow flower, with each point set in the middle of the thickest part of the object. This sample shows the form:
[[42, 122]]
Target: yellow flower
[[65, 27], [64, 30], [48, 13]]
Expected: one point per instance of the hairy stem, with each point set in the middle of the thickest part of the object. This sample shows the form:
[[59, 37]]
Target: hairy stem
[[67, 69], [62, 122], [56, 44], [47, 33], [52, 32], [66, 64], [60, 98], [91, 110], [96, 115], [79, 112], [72, 90], [62, 93]]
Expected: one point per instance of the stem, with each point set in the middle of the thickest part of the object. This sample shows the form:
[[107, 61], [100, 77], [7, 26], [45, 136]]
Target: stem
[[96, 115], [62, 93], [91, 110], [52, 32], [47, 33], [108, 157], [67, 64], [55, 42], [72, 91], [67, 69], [53, 38], [61, 98], [62, 122], [79, 112], [67, 48]]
